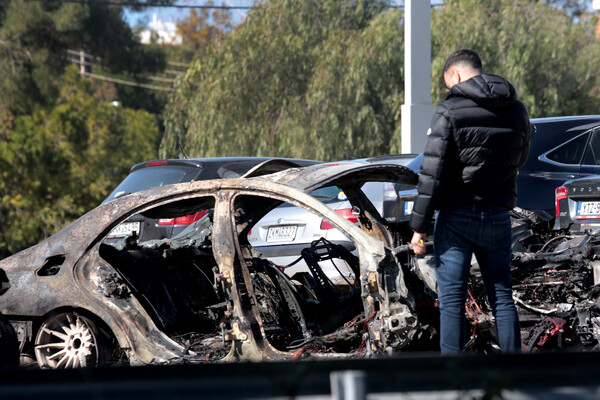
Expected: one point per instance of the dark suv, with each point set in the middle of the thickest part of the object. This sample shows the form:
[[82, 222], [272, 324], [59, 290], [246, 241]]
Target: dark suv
[[562, 148], [156, 173]]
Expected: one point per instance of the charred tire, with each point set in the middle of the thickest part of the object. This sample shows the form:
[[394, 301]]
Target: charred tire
[[9, 345], [71, 340]]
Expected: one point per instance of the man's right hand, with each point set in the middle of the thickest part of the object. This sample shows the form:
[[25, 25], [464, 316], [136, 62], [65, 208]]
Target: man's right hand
[[418, 243]]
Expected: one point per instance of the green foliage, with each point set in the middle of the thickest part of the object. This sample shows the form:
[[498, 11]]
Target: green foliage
[[257, 92], [59, 163], [354, 94], [63, 145], [315, 79], [322, 79], [552, 61]]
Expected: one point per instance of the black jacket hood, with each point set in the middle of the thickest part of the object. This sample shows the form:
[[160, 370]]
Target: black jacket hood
[[487, 90]]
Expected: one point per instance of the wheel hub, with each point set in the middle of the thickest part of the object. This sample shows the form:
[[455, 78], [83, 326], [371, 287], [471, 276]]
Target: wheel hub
[[66, 341]]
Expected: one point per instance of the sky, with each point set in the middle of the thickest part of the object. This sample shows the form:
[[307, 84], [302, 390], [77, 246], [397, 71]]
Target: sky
[[173, 14]]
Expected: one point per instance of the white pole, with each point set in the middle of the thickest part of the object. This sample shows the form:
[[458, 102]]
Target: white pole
[[417, 109]]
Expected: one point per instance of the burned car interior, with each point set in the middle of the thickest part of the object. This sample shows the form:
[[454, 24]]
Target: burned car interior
[[179, 283]]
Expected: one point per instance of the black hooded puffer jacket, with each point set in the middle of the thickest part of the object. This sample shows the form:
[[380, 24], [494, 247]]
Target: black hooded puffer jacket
[[479, 138]]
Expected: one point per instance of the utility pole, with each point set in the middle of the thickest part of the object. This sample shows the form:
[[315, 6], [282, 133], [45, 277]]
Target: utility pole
[[596, 6], [417, 109]]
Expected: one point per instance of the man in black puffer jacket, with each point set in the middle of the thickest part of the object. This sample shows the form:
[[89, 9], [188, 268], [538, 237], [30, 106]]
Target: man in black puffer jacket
[[479, 138]]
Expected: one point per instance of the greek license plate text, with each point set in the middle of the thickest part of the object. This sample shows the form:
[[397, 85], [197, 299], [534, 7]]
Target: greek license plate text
[[125, 229], [281, 233], [589, 209]]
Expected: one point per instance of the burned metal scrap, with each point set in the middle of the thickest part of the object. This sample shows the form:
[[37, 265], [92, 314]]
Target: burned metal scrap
[[561, 281], [555, 287], [556, 278]]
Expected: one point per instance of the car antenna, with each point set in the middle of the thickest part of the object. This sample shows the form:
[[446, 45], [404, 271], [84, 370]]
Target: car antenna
[[185, 157]]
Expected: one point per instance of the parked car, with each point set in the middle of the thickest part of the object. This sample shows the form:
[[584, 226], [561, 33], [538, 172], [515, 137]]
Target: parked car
[[207, 294], [578, 204], [162, 172], [155, 173], [562, 148], [282, 233]]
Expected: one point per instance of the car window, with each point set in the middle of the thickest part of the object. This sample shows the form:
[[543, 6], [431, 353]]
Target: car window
[[571, 152], [592, 153], [146, 178], [235, 169], [327, 195]]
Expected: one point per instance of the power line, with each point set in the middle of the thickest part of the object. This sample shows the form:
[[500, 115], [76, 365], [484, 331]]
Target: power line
[[129, 4], [172, 71], [159, 79], [183, 6], [127, 83]]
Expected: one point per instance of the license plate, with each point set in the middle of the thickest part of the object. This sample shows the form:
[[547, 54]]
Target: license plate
[[281, 233], [588, 209], [408, 207], [125, 229]]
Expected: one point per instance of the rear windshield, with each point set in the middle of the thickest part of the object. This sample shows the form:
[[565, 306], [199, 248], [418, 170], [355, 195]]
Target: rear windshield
[[146, 178]]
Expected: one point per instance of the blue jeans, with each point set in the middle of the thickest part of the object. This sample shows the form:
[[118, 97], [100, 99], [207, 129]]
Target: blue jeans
[[486, 232]]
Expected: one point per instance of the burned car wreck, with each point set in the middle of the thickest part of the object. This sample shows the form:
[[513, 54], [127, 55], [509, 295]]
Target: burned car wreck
[[556, 292], [206, 295]]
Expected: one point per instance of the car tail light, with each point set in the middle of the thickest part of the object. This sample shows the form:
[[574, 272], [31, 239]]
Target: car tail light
[[185, 220], [157, 162], [560, 194], [344, 212]]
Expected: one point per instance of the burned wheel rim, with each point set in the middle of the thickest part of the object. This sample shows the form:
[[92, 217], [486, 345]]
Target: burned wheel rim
[[67, 340]]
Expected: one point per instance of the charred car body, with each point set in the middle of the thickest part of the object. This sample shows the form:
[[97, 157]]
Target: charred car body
[[9, 349], [206, 295], [78, 300]]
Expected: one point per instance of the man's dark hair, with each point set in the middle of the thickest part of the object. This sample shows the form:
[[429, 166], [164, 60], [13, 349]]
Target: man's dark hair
[[464, 55]]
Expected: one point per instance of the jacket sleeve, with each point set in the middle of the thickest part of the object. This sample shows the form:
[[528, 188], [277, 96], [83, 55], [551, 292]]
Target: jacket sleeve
[[526, 138], [432, 168]]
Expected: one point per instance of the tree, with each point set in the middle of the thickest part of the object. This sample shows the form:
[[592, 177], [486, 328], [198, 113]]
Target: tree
[[200, 29], [325, 79], [533, 45], [63, 145], [255, 92], [58, 163], [354, 96]]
